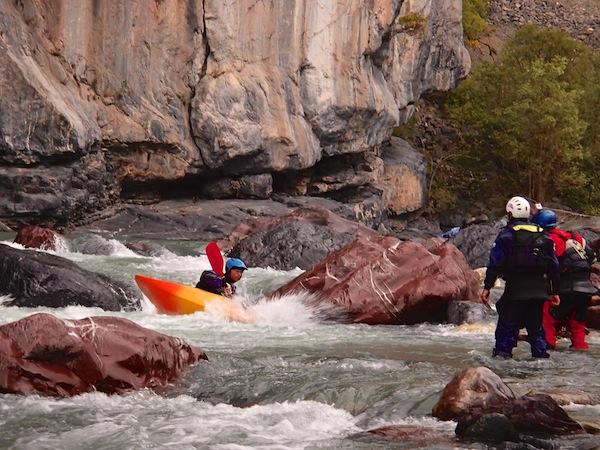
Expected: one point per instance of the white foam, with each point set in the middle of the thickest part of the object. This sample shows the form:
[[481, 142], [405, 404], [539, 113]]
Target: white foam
[[177, 422]]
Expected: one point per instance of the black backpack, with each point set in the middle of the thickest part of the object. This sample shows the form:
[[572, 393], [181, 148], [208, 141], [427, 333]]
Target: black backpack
[[577, 257], [528, 252]]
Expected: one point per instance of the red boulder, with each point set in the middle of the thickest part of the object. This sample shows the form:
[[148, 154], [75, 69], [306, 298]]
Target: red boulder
[[382, 280], [36, 237], [480, 402], [475, 387], [44, 355]]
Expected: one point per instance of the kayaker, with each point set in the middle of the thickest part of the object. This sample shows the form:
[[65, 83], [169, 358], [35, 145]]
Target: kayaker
[[210, 281], [524, 256], [575, 287]]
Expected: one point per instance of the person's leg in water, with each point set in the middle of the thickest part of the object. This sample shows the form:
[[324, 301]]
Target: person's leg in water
[[507, 328], [550, 325], [576, 321], [532, 313]]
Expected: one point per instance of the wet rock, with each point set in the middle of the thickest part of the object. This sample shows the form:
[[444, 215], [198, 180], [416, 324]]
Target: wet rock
[[466, 312], [201, 220], [44, 355], [4, 227], [537, 413], [92, 244], [36, 237], [480, 402], [475, 242], [566, 396], [144, 248], [475, 387], [290, 245], [316, 216], [39, 279], [381, 280], [416, 435], [491, 427]]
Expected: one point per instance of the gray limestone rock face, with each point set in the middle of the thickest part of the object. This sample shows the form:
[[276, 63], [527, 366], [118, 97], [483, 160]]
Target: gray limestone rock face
[[189, 91], [404, 178], [246, 186]]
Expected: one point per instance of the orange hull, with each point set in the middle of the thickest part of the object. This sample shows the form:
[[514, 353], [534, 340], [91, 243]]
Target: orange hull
[[174, 298]]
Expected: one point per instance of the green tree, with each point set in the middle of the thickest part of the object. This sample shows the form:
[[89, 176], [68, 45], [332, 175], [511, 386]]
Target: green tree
[[523, 126], [474, 13]]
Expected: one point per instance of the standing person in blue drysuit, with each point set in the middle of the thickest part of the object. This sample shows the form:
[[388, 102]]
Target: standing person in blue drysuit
[[524, 256], [212, 282]]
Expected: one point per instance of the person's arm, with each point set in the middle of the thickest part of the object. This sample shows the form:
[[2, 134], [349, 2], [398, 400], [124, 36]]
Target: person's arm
[[494, 267], [553, 272], [493, 270]]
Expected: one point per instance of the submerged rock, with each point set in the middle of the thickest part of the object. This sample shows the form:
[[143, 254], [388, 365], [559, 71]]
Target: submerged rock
[[36, 237], [44, 355], [381, 280], [418, 435], [35, 278]]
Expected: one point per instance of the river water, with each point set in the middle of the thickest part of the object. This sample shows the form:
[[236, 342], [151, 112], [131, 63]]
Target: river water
[[291, 380]]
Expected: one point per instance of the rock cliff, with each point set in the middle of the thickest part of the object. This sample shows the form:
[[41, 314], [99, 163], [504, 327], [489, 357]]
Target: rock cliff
[[103, 100]]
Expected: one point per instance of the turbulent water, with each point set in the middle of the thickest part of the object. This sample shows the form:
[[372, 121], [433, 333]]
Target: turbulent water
[[291, 380]]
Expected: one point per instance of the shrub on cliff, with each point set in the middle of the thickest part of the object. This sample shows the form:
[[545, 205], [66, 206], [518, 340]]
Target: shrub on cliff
[[529, 121], [474, 14]]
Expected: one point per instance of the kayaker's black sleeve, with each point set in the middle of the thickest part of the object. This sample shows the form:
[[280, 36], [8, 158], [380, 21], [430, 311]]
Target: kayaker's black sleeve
[[211, 282]]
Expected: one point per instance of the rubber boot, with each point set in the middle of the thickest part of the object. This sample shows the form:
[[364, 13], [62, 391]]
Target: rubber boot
[[538, 343], [550, 325], [577, 333]]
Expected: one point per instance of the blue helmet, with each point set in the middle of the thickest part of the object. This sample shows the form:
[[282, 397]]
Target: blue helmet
[[545, 218], [234, 263]]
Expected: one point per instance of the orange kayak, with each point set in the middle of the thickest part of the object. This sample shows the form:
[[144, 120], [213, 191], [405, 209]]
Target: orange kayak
[[175, 298]]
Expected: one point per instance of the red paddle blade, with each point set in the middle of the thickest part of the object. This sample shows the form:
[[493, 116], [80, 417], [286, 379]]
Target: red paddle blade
[[215, 258]]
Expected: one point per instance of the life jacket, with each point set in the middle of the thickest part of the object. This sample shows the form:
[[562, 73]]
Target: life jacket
[[211, 282], [575, 257], [528, 253]]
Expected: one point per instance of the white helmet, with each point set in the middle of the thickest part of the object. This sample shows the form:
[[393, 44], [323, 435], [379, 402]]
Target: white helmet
[[518, 207]]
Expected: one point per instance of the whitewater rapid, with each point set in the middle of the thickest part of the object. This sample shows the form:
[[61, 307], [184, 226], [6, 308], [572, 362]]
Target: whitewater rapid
[[290, 380]]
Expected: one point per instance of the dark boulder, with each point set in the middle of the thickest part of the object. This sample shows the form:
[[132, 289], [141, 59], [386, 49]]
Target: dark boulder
[[44, 355], [290, 245], [298, 239], [36, 237], [381, 280], [35, 278], [475, 242], [486, 408], [466, 312]]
